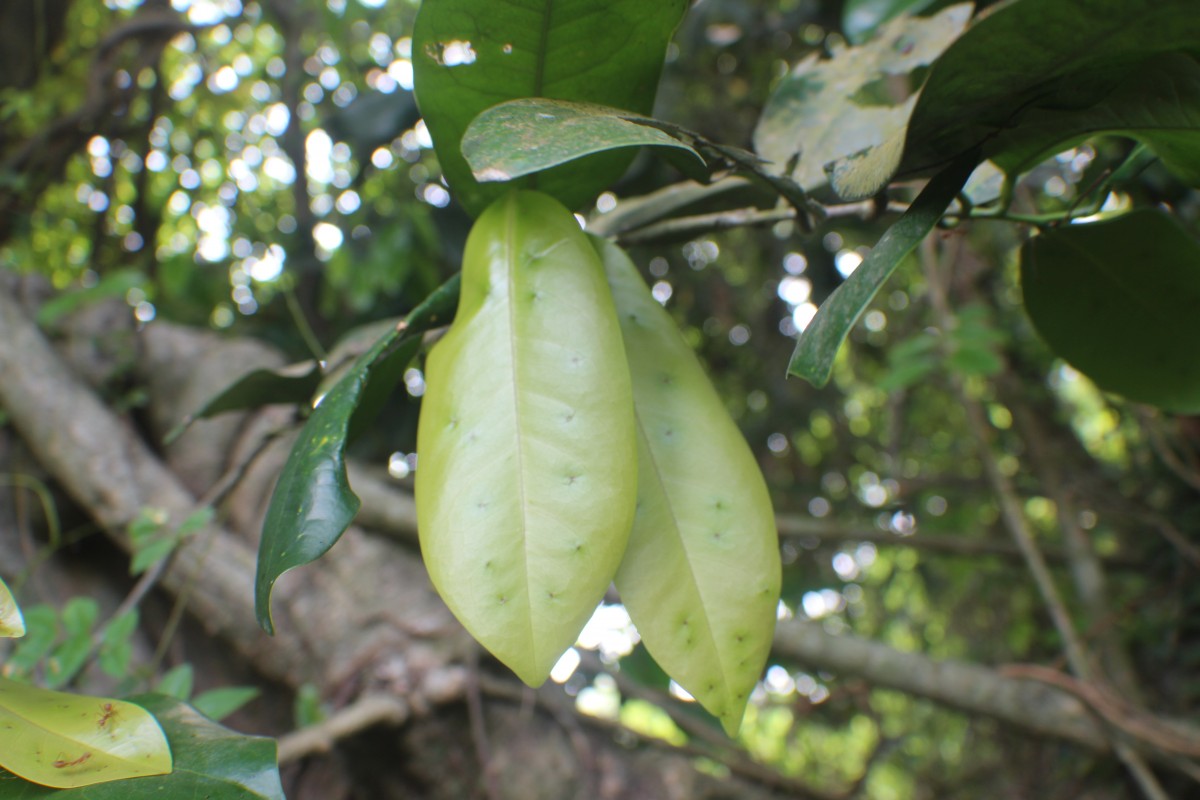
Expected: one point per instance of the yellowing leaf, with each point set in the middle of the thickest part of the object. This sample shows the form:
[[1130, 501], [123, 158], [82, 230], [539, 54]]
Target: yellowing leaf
[[527, 479], [701, 573], [12, 624], [823, 110], [67, 740]]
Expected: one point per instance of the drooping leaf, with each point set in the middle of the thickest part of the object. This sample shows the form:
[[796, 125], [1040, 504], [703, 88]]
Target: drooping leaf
[[700, 576], [12, 624], [469, 56], [818, 344], [1117, 300], [860, 18], [292, 384], [312, 504], [68, 740], [211, 762], [521, 137], [819, 112], [1041, 60], [527, 481]]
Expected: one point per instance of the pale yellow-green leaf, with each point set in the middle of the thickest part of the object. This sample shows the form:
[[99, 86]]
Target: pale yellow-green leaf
[[701, 573], [12, 624], [68, 740], [829, 109], [527, 480]]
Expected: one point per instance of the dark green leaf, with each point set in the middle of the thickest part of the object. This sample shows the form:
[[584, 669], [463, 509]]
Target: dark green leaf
[[1158, 103], [262, 387], [312, 504], [860, 18], [210, 762], [1118, 300], [1035, 59], [525, 136], [819, 343], [220, 703], [469, 56]]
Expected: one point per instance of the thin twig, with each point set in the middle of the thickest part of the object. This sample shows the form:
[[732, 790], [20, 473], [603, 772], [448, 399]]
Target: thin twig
[[478, 724], [364, 713]]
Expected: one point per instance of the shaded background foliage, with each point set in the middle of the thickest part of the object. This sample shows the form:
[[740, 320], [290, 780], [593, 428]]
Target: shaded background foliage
[[260, 169]]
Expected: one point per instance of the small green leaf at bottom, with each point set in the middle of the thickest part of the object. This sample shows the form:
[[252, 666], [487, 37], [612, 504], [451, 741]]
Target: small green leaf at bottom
[[211, 762], [68, 740]]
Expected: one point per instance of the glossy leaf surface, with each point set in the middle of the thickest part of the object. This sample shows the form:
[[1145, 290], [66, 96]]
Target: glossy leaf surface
[[262, 387], [469, 56], [825, 109], [819, 342], [211, 762], [527, 481], [69, 740], [1036, 60], [701, 574], [1118, 300], [1158, 104], [525, 136], [312, 504], [12, 624]]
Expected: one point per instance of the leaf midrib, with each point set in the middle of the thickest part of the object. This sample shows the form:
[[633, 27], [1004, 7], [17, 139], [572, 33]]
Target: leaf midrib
[[510, 254], [677, 530]]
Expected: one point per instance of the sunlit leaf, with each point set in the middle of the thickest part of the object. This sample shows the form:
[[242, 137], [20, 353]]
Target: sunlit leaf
[[211, 762], [521, 137], [312, 504], [819, 111], [700, 577], [12, 624], [527, 481], [67, 740], [1118, 301], [469, 56], [860, 18], [818, 344]]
